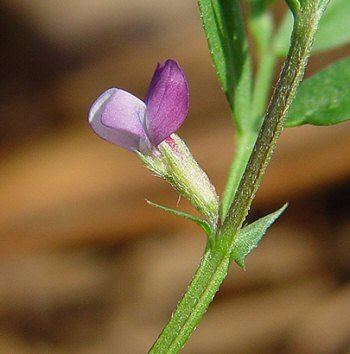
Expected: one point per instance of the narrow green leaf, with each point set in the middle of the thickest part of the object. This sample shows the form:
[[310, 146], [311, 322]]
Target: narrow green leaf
[[261, 25], [224, 28], [248, 238], [202, 223], [333, 30], [323, 99], [245, 144], [257, 7], [282, 37]]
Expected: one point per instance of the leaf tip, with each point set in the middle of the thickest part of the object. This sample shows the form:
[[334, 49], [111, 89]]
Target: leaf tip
[[241, 264]]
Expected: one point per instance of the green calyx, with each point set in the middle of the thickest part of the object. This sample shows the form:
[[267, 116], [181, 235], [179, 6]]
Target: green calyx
[[174, 163]]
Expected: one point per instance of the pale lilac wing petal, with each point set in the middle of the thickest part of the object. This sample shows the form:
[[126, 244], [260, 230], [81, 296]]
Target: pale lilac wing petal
[[167, 101], [116, 116]]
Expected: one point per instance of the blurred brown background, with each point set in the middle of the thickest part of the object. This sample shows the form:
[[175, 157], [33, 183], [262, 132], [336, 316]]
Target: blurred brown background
[[86, 266]]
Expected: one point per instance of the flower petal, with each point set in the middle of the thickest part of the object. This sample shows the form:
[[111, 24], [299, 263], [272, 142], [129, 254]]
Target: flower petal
[[167, 101], [117, 116]]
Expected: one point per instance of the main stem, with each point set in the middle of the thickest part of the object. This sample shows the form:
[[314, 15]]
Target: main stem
[[305, 26], [215, 262]]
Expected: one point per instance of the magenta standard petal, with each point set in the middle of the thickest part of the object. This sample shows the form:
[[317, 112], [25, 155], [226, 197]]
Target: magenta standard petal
[[167, 101], [117, 117]]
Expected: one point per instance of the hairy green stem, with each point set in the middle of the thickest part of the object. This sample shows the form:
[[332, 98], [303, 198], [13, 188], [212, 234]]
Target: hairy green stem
[[215, 262], [204, 285], [305, 26]]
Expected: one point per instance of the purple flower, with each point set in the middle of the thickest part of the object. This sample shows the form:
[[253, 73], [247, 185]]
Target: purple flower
[[122, 119]]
